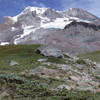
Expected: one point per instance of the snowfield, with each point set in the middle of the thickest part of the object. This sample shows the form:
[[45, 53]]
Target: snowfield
[[58, 23]]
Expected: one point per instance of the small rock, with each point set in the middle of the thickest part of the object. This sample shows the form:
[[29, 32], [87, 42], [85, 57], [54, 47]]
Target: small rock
[[63, 87], [13, 63], [67, 55], [64, 67], [42, 60], [74, 78], [47, 63]]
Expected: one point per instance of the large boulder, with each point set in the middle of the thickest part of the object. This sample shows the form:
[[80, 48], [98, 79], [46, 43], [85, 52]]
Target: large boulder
[[50, 51]]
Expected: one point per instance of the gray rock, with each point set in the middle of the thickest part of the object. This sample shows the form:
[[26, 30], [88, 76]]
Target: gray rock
[[50, 51], [13, 63], [63, 86], [42, 60], [3, 94], [63, 67], [74, 78]]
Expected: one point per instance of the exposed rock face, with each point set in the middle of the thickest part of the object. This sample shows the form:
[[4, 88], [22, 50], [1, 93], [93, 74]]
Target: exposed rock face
[[52, 14], [50, 51], [74, 30], [80, 13]]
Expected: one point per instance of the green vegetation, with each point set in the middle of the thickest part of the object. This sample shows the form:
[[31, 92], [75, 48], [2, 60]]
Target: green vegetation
[[25, 55], [94, 56], [21, 88], [33, 87]]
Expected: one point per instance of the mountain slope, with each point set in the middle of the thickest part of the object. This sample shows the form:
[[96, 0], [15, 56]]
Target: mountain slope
[[94, 56], [83, 14], [26, 74], [74, 30]]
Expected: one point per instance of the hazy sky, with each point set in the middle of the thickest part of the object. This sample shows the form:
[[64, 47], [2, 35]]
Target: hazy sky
[[13, 7]]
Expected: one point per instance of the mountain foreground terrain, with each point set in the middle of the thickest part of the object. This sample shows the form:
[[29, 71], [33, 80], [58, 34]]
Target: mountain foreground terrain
[[26, 74], [37, 55]]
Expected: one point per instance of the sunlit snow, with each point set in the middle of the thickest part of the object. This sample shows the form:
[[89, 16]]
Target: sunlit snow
[[4, 43], [58, 23]]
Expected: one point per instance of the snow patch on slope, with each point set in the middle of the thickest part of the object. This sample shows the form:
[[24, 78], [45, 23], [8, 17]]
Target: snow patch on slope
[[4, 43], [26, 32], [79, 20], [44, 20], [13, 29], [15, 18], [58, 23]]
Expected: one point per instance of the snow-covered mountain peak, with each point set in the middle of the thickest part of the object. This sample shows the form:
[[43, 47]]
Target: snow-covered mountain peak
[[36, 9], [48, 14]]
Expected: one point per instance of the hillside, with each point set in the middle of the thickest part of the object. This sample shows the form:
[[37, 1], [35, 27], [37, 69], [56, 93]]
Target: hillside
[[94, 56], [27, 75]]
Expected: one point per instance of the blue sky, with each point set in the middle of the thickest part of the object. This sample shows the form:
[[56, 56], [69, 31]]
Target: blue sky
[[13, 7]]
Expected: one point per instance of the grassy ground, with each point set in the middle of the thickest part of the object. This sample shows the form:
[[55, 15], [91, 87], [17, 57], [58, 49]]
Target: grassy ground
[[94, 56], [25, 55], [34, 87]]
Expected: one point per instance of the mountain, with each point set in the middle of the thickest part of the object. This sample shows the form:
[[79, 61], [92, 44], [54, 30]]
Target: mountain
[[83, 14], [74, 30]]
